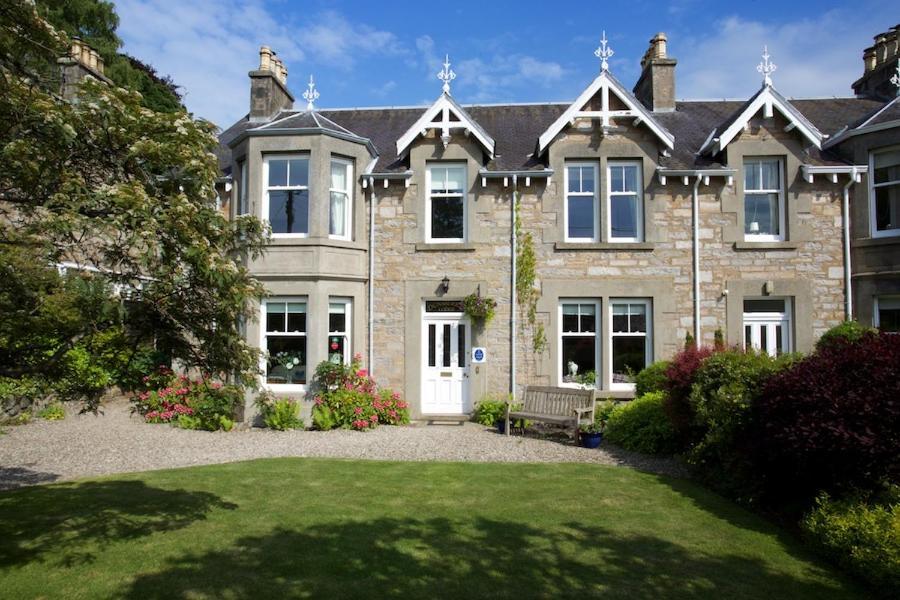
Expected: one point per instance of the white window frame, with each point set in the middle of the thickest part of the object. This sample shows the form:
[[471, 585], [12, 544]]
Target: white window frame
[[348, 192], [263, 343], [560, 372], [639, 193], [873, 225], [876, 317], [782, 222], [347, 333], [429, 195], [242, 188], [595, 196], [266, 189], [647, 335], [769, 319]]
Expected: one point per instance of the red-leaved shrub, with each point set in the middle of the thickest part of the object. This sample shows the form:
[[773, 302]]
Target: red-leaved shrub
[[679, 379], [832, 421]]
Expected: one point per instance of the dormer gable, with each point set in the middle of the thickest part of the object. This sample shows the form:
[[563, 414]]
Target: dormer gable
[[767, 99], [606, 100], [445, 115]]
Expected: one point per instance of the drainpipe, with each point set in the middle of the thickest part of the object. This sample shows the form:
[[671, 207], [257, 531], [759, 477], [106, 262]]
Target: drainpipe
[[845, 208], [512, 294], [373, 200], [695, 201]]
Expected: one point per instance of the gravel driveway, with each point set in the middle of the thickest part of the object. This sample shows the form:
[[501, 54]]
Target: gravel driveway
[[117, 442]]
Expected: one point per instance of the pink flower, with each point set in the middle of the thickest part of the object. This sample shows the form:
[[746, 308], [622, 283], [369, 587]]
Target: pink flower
[[215, 385], [362, 373], [319, 400], [358, 410], [374, 419]]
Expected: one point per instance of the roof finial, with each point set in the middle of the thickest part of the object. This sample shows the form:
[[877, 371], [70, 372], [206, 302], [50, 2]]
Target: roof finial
[[311, 94], [766, 67], [446, 75], [895, 79], [604, 53]]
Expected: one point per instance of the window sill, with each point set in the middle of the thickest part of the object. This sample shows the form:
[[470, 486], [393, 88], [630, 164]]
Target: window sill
[[605, 246], [442, 247], [883, 240], [308, 241], [762, 246]]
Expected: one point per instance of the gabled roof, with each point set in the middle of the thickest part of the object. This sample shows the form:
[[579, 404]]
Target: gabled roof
[[605, 83], [516, 128], [443, 107], [767, 99]]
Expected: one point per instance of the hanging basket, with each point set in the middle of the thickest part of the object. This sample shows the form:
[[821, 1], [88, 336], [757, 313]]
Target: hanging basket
[[479, 308]]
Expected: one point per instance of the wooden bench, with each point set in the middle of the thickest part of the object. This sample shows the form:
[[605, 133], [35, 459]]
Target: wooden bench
[[563, 406]]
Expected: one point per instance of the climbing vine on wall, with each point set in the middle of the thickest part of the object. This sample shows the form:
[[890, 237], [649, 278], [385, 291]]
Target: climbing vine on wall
[[526, 293]]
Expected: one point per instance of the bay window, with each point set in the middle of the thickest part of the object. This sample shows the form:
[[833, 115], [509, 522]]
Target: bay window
[[763, 200], [581, 202], [287, 195], [630, 347], [887, 313], [446, 203], [339, 351], [885, 193], [578, 342], [340, 204], [284, 341], [625, 201], [767, 325]]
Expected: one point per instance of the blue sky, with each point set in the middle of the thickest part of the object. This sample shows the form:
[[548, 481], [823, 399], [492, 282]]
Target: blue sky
[[366, 53]]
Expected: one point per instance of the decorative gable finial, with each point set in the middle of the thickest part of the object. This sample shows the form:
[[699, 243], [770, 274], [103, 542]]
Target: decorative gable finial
[[766, 67], [895, 78], [446, 75], [311, 94], [604, 53]]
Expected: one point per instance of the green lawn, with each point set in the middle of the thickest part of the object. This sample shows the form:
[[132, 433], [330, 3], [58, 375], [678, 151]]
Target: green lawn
[[303, 528]]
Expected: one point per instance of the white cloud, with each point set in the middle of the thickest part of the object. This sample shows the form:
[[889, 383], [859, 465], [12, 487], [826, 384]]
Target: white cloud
[[209, 46], [493, 80], [817, 56]]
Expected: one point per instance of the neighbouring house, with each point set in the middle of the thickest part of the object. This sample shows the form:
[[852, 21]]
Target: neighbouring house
[[650, 219]]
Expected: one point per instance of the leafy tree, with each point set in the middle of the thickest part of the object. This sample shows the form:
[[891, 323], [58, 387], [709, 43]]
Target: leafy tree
[[95, 22], [129, 192]]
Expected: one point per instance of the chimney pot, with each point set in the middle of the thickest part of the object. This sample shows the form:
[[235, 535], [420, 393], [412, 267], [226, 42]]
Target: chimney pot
[[265, 58]]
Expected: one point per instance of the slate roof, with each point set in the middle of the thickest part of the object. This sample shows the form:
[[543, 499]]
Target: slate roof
[[517, 127]]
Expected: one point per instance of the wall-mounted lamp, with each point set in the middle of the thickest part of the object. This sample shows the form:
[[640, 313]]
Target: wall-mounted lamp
[[445, 284]]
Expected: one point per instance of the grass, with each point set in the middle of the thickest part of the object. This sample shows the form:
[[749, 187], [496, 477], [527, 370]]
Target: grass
[[309, 528]]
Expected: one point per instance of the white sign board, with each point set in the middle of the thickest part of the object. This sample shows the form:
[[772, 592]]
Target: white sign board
[[478, 355]]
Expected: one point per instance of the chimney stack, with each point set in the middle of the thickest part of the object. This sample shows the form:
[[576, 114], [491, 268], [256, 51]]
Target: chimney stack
[[656, 86], [268, 87], [80, 63], [879, 65]]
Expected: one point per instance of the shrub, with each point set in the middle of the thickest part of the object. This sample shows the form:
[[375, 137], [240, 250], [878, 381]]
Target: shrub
[[22, 391], [861, 534], [848, 331], [82, 378], [831, 422], [642, 425], [679, 379], [490, 409], [210, 404], [281, 414], [725, 386], [53, 412], [603, 410], [347, 397], [652, 378]]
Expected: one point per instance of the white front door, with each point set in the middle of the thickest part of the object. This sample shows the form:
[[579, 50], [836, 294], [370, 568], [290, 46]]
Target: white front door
[[445, 364]]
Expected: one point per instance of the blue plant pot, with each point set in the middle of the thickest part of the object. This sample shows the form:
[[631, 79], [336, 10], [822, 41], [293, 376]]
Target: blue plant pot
[[591, 440], [501, 425]]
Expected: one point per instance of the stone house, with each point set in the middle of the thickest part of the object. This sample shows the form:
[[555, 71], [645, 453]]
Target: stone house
[[649, 219]]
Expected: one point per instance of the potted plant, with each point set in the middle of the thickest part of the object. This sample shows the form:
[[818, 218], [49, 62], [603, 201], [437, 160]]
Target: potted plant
[[491, 410], [591, 435]]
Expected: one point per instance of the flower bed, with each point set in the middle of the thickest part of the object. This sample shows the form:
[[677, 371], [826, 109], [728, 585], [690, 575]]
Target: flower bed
[[188, 403], [347, 397]]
